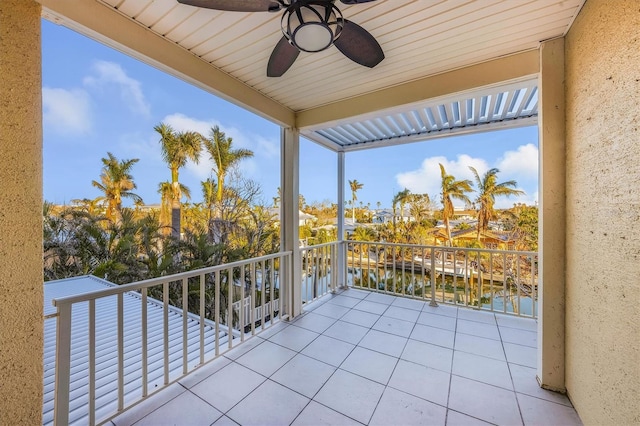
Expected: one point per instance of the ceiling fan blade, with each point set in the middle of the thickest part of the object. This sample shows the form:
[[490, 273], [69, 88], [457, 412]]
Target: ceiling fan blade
[[282, 57], [359, 45], [236, 5], [355, 1]]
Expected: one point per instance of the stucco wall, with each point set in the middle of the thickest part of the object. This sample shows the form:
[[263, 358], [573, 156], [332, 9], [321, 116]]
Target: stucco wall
[[602, 54], [21, 292]]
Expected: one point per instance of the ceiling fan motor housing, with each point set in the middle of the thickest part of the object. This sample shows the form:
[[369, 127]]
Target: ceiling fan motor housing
[[312, 25]]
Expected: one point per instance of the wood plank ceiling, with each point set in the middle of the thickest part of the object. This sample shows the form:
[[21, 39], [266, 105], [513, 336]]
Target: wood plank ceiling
[[420, 38]]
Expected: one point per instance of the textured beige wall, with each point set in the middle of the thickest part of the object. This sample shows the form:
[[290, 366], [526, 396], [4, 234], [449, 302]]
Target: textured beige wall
[[602, 53], [21, 333]]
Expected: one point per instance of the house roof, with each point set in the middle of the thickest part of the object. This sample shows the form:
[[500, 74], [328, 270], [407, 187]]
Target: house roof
[[275, 211], [106, 347], [457, 233], [449, 67]]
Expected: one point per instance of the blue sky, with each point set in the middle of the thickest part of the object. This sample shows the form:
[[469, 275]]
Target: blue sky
[[97, 100]]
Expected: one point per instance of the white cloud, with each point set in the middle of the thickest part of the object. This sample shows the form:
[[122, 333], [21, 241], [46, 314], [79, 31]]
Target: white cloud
[[523, 162], [529, 198], [427, 179], [67, 112], [520, 165], [182, 123], [110, 73]]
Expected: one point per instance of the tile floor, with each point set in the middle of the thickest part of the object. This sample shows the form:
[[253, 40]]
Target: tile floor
[[365, 358]]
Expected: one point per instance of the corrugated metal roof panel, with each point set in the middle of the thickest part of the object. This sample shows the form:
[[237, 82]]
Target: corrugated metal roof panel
[[106, 348]]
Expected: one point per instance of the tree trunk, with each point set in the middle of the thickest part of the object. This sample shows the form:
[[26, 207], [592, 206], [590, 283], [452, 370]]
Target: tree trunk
[[175, 220]]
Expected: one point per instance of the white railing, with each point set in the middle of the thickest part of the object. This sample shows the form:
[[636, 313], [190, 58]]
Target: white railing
[[258, 312], [205, 301], [496, 280], [318, 263]]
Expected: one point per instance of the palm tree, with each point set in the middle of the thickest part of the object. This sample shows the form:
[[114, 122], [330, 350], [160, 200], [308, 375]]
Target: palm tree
[[209, 191], [404, 197], [400, 198], [116, 183], [488, 190], [166, 191], [452, 188], [177, 148], [355, 187], [224, 157]]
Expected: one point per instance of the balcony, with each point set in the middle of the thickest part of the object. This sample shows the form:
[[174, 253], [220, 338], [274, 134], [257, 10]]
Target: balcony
[[391, 349], [359, 356]]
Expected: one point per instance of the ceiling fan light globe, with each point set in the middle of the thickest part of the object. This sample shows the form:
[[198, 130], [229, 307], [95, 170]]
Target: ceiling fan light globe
[[312, 37], [312, 26]]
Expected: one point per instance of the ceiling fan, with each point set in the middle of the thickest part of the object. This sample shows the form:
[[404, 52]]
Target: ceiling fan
[[308, 26]]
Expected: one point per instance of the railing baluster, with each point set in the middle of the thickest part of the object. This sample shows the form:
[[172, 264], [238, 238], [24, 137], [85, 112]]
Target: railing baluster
[[241, 311], [326, 253], [92, 362], [393, 268], [444, 274], [505, 297], [467, 274], [230, 307], [454, 281], [316, 273], [185, 315], [165, 322], [202, 293], [120, 352], [491, 278], [479, 265], [433, 278], [63, 364], [271, 289], [360, 265], [145, 367], [378, 267], [413, 273], [216, 308], [263, 289], [534, 288], [422, 274], [252, 306], [518, 282], [402, 280]]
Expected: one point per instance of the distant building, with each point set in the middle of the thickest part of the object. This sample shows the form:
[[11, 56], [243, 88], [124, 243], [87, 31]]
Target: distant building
[[303, 218]]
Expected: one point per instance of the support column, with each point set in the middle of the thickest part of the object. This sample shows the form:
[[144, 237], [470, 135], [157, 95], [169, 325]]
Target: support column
[[21, 290], [342, 251], [289, 217], [551, 218]]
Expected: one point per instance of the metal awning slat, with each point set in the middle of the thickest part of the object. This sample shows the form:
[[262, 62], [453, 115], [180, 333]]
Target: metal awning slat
[[515, 103], [383, 129], [436, 115], [463, 112], [506, 109], [360, 126]]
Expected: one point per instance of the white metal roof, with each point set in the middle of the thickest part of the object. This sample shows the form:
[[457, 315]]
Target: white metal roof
[[106, 347]]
